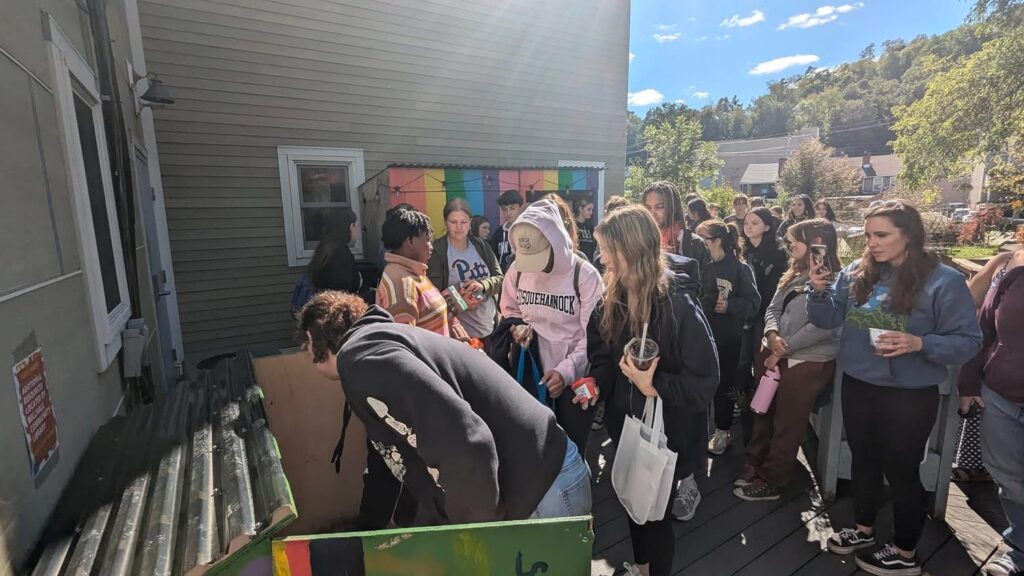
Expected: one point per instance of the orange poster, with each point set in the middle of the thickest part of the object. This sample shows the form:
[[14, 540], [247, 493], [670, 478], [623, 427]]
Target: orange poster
[[36, 411]]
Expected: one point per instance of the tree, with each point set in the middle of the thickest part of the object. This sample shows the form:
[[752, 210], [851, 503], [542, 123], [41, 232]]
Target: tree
[[675, 153], [969, 111], [813, 170]]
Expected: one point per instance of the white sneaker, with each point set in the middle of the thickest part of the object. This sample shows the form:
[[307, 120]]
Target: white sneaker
[[684, 507], [719, 442], [1002, 566], [631, 569]]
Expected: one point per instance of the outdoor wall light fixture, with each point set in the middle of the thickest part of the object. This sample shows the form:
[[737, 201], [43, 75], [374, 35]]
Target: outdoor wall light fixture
[[155, 94]]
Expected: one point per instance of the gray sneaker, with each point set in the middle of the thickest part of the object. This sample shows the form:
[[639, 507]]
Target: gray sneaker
[[684, 507]]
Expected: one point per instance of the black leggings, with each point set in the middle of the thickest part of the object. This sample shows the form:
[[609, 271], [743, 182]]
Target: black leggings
[[887, 430], [725, 395], [654, 543]]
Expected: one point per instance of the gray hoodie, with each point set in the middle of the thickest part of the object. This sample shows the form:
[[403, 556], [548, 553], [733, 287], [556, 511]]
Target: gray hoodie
[[806, 341]]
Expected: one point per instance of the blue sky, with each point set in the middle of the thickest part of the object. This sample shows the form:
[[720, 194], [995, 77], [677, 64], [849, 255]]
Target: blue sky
[[700, 50]]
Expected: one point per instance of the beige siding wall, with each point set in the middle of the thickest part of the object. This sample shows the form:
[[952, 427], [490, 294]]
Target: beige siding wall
[[40, 245], [440, 81]]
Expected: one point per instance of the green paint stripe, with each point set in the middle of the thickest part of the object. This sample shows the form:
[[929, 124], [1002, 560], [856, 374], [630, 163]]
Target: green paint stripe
[[454, 185]]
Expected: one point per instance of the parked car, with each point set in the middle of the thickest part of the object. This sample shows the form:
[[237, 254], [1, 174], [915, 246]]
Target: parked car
[[961, 215]]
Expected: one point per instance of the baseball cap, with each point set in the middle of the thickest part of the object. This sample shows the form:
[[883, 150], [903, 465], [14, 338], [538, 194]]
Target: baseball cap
[[533, 251]]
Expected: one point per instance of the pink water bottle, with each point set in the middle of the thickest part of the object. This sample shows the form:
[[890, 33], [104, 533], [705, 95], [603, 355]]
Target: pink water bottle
[[765, 393]]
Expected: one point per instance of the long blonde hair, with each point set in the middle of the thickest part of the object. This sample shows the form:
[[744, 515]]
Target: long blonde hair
[[631, 232]]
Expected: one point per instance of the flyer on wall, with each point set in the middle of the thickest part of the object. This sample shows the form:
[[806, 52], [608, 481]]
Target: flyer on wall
[[36, 410]]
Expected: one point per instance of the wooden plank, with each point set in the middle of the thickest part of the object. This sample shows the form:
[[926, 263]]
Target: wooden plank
[[730, 524], [802, 545]]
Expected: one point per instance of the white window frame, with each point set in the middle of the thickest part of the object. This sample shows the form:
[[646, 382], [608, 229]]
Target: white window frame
[[877, 184], [599, 200], [892, 182], [289, 158], [68, 64]]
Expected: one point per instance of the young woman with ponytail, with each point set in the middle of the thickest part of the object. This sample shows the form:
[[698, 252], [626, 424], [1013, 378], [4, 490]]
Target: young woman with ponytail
[[737, 305]]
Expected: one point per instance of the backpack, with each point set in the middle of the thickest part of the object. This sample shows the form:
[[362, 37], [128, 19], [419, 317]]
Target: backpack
[[302, 293]]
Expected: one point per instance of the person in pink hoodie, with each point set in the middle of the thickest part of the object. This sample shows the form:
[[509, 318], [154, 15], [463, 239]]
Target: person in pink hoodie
[[548, 294]]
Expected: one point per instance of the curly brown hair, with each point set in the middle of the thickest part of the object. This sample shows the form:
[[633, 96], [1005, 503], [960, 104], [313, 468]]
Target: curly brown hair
[[908, 278], [807, 232], [327, 317]]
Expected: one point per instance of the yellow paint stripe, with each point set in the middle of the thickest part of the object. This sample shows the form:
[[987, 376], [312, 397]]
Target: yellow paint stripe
[[281, 567]]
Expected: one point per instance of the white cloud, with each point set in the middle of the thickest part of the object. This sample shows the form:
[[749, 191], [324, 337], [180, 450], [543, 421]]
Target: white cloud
[[701, 39], [680, 101], [665, 27], [662, 38], [740, 21], [701, 95], [823, 15], [645, 97], [780, 64], [691, 19], [723, 37], [631, 56]]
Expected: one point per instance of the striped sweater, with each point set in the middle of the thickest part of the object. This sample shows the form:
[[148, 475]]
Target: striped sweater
[[407, 293]]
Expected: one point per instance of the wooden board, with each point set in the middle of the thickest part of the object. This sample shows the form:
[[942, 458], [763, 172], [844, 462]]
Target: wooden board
[[526, 548], [304, 410]]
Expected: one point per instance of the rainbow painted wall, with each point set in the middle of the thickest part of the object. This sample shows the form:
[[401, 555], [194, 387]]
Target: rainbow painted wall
[[429, 189]]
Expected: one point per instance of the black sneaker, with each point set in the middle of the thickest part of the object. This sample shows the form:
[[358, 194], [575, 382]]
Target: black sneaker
[[757, 491], [848, 541], [889, 562]]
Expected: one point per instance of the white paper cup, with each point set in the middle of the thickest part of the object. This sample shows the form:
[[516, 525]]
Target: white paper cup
[[875, 333]]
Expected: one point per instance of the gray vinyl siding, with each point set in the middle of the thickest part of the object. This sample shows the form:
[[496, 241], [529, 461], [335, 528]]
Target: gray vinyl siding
[[430, 81]]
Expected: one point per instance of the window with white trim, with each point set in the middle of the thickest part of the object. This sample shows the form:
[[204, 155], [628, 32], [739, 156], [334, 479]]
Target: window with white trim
[[80, 114], [316, 185], [876, 184]]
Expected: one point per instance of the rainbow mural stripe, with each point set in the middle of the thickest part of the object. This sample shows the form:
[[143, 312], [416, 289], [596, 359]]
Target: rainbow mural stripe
[[429, 189], [561, 546]]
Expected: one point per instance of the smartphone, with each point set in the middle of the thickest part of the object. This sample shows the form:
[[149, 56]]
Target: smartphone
[[819, 257]]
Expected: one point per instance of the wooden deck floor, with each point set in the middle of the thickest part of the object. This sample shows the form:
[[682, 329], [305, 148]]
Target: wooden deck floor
[[785, 537]]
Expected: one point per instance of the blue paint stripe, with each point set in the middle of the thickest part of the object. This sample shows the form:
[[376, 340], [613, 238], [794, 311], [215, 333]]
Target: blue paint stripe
[[474, 187]]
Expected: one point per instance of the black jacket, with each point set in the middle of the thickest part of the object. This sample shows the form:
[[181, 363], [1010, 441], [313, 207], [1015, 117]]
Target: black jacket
[[692, 246], [340, 273], [687, 374], [769, 262], [501, 247], [744, 299], [449, 421]]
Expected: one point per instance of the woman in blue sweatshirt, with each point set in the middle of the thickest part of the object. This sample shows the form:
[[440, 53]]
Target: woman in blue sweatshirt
[[905, 318]]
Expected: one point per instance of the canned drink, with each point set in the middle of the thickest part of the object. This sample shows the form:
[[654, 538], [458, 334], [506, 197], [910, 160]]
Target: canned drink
[[457, 299]]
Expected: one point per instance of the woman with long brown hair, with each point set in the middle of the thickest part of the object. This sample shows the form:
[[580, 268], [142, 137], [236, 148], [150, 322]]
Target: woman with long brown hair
[[906, 318], [803, 354], [641, 290]]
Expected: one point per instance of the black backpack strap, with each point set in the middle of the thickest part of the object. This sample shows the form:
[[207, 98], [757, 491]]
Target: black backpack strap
[[345, 419], [576, 278]]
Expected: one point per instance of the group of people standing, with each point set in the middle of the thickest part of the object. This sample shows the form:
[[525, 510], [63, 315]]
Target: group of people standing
[[729, 302]]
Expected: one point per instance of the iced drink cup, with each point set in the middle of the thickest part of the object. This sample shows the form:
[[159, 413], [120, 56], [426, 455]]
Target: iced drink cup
[[642, 363], [875, 333]]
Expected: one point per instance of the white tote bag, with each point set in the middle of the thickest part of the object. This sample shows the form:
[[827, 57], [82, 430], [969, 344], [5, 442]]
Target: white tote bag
[[644, 467]]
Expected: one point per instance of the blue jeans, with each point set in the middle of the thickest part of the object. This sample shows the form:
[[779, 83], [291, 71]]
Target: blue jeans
[[1002, 450], [569, 494]]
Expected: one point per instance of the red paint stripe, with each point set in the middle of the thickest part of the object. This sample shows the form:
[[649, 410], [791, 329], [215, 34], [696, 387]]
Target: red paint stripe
[[298, 557]]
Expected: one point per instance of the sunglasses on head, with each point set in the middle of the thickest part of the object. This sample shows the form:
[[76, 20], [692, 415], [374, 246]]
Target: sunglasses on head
[[892, 204]]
